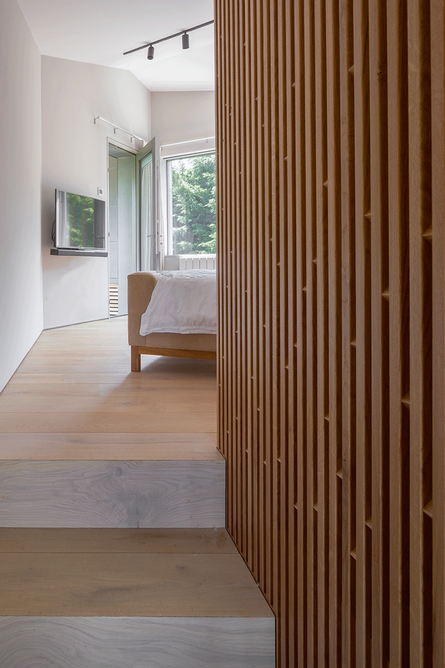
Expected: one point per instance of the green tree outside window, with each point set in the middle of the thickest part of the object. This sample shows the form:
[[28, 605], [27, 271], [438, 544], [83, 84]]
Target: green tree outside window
[[193, 189]]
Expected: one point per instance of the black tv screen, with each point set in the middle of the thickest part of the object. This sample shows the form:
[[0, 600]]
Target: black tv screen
[[80, 222]]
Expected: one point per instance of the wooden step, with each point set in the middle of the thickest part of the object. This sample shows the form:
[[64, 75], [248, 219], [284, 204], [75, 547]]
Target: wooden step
[[81, 480], [140, 598]]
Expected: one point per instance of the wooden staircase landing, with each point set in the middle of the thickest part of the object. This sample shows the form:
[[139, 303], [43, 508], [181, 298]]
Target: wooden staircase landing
[[113, 597], [113, 551], [83, 480]]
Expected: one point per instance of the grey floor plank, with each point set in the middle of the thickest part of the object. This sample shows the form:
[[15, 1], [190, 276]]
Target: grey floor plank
[[136, 643], [112, 494]]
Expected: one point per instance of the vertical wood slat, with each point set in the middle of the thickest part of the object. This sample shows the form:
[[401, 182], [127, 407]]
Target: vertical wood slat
[[416, 342], [276, 206], [420, 390], [300, 375], [261, 255], [438, 227], [290, 434], [398, 205], [268, 386], [309, 289], [247, 341], [362, 213], [230, 269], [348, 331], [254, 444], [334, 333], [236, 252], [283, 538], [379, 575], [322, 379], [330, 308], [240, 332]]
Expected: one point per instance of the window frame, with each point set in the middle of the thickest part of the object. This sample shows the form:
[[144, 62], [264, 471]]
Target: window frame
[[169, 199]]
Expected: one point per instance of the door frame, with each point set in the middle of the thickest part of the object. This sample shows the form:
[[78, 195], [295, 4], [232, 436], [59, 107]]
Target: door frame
[[150, 147]]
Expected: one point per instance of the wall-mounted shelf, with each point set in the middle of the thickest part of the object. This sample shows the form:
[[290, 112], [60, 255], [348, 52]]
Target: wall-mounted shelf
[[83, 253]]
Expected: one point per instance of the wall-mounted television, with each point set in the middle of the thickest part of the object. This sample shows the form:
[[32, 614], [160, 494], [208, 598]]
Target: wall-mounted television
[[79, 226]]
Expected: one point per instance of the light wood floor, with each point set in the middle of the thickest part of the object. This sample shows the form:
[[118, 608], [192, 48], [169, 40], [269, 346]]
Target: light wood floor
[[76, 383], [85, 442], [113, 549]]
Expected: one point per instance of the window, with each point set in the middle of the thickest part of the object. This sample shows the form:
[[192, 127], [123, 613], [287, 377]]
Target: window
[[191, 185]]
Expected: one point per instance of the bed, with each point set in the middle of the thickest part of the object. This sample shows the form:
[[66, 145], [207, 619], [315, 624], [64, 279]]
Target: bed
[[195, 345]]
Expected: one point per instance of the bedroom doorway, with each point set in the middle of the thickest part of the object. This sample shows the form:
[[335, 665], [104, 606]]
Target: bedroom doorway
[[133, 221], [122, 226]]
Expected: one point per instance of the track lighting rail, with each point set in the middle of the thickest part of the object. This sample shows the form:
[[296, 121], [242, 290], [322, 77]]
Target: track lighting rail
[[164, 39]]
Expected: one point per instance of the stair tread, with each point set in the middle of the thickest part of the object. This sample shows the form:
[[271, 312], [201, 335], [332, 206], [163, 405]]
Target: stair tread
[[175, 541], [137, 583], [162, 446], [112, 494]]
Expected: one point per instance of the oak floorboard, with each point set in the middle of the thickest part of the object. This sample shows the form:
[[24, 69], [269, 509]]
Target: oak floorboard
[[111, 446], [156, 494], [51, 389], [107, 422], [104, 541], [133, 584], [99, 642], [159, 403]]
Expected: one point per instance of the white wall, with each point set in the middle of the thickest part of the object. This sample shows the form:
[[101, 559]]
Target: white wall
[[75, 158], [178, 117], [21, 318]]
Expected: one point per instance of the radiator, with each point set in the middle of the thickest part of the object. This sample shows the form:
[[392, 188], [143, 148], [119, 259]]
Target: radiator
[[190, 262]]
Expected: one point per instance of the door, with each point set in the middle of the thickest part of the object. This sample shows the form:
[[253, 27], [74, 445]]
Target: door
[[123, 237], [148, 220]]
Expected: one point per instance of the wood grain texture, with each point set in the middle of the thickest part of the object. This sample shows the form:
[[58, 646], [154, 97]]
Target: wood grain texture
[[438, 216], [165, 541], [112, 494], [111, 446], [107, 422], [76, 380], [192, 354], [100, 642], [134, 584], [398, 332], [161, 403], [331, 215]]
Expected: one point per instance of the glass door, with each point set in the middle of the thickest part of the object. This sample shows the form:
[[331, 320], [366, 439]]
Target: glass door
[[148, 208]]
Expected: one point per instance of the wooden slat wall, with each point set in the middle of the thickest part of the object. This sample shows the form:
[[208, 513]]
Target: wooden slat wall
[[331, 260]]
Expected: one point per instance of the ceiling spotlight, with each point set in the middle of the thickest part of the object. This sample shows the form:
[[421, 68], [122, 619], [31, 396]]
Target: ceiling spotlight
[[185, 40]]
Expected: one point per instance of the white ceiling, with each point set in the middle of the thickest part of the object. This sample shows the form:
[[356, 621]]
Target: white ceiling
[[99, 31]]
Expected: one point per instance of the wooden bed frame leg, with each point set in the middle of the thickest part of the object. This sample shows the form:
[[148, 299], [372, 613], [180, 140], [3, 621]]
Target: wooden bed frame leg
[[135, 359]]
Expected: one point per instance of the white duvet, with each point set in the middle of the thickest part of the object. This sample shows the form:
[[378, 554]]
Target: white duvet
[[182, 302]]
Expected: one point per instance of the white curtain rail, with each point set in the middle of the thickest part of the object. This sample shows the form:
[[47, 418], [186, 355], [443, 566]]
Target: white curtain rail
[[116, 127]]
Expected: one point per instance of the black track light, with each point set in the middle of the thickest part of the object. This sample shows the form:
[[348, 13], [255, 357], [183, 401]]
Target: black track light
[[185, 40]]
